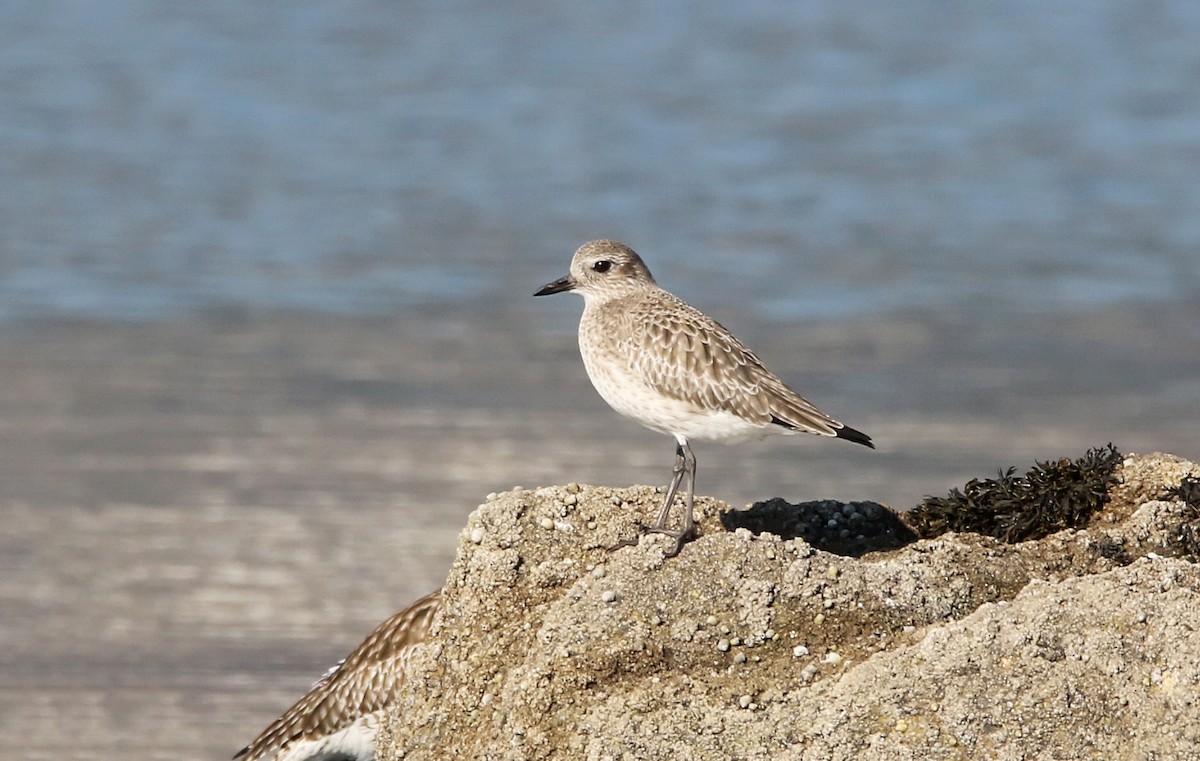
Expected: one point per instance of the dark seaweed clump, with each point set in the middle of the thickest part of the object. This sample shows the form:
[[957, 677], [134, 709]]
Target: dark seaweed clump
[[851, 529], [1050, 497], [1112, 549], [1188, 492]]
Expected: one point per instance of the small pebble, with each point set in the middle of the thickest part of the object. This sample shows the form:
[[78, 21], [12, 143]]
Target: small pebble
[[735, 641], [598, 572], [799, 651], [723, 645], [608, 595], [831, 572], [656, 620], [491, 496], [477, 535], [832, 658], [819, 619], [570, 500], [711, 620], [591, 525], [829, 604], [739, 657], [745, 701], [572, 488], [901, 725], [546, 523], [909, 629]]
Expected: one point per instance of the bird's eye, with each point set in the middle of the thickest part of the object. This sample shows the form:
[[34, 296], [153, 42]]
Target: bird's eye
[[603, 265]]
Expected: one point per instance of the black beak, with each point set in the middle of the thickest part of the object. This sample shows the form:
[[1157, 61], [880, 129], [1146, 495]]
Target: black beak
[[558, 286]]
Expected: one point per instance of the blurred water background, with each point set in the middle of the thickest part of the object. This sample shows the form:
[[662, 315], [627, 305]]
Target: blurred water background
[[266, 334]]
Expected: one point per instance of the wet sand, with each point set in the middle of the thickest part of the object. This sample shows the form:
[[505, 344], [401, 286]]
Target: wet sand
[[201, 515]]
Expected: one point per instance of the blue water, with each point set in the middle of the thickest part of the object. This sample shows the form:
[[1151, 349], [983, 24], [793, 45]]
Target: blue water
[[810, 160]]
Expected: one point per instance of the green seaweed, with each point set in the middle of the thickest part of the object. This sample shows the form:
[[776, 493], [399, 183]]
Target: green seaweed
[[1050, 497]]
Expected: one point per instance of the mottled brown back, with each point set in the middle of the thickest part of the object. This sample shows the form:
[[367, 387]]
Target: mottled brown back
[[686, 355], [363, 683]]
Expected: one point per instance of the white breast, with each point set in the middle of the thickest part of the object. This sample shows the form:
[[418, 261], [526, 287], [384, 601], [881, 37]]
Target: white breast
[[629, 394]]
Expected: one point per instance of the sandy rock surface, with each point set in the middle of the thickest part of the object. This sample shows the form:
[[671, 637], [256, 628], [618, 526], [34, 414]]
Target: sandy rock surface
[[750, 645]]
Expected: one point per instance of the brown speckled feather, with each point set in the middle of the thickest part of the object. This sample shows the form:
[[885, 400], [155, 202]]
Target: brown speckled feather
[[686, 355], [363, 683]]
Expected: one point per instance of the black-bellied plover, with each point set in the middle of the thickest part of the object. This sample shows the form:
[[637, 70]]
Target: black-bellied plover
[[673, 369], [341, 714]]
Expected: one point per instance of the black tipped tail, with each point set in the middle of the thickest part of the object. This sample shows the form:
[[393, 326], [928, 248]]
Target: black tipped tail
[[858, 437]]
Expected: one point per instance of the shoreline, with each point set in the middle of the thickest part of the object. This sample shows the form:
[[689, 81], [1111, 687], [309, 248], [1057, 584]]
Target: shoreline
[[203, 515]]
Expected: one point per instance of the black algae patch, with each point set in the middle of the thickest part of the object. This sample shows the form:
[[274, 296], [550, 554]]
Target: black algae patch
[[1050, 497], [1112, 549], [1188, 492], [851, 529]]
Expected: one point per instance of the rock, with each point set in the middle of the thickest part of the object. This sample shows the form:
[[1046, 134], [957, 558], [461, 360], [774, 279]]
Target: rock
[[752, 645]]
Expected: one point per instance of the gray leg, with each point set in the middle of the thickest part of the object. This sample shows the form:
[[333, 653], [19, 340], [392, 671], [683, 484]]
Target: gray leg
[[689, 523], [678, 473], [685, 467]]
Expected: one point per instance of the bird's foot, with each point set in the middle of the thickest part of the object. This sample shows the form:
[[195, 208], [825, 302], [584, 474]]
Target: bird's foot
[[642, 528], [681, 538]]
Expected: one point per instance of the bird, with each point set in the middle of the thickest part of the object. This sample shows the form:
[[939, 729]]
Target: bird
[[672, 368], [340, 716]]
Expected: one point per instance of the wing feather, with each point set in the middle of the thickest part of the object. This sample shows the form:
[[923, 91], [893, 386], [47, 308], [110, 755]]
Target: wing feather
[[361, 684], [686, 355]]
